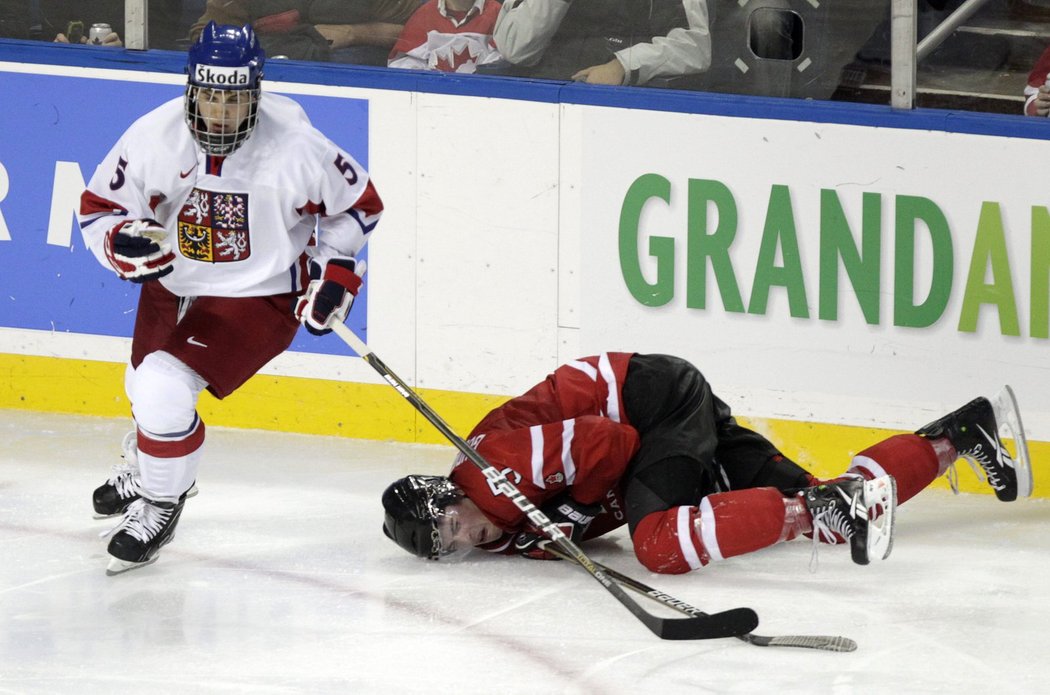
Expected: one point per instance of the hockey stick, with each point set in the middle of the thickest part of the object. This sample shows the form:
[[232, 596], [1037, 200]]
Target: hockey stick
[[736, 621], [828, 643]]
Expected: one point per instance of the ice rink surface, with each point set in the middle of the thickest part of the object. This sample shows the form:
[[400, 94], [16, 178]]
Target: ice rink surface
[[279, 580]]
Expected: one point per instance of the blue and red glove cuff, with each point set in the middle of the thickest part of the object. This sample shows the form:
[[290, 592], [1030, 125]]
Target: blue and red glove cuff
[[341, 272]]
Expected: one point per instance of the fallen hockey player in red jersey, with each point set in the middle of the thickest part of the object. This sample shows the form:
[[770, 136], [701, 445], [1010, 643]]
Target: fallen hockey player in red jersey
[[641, 439]]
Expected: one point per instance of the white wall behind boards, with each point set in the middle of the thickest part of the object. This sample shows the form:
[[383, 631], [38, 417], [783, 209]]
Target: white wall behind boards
[[487, 220], [788, 183], [512, 226]]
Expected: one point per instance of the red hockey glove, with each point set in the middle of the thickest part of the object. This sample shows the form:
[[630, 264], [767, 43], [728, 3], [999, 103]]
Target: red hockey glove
[[330, 294], [570, 516], [137, 251]]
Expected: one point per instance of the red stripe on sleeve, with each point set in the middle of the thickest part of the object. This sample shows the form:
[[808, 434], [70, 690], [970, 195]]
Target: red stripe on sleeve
[[311, 208], [369, 202], [91, 204]]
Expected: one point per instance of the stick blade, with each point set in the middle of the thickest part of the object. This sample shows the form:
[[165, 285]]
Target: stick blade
[[730, 623], [827, 643]]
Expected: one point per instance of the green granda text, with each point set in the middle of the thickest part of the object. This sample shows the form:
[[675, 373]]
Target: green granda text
[[988, 283]]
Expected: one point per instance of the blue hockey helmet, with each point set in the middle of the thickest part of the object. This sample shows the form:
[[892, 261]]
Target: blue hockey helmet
[[225, 69]]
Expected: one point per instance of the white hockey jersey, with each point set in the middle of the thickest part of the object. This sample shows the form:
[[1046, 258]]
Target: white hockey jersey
[[240, 225]]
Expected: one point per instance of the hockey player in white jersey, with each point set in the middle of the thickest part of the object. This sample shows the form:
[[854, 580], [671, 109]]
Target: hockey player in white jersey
[[240, 220]]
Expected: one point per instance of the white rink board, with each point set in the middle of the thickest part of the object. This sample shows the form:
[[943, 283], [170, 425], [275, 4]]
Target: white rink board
[[487, 215], [843, 371], [497, 257]]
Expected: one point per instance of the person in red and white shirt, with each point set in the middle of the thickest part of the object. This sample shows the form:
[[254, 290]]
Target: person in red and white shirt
[[627, 438], [1037, 90], [239, 220], [448, 35]]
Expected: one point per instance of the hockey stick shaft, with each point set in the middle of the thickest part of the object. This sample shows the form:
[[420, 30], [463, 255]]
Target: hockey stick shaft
[[736, 621], [830, 643]]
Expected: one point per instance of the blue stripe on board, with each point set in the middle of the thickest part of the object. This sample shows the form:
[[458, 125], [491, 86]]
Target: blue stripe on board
[[547, 91]]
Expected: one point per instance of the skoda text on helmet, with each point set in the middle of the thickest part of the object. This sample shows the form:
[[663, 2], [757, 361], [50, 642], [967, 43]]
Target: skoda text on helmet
[[225, 69], [416, 516]]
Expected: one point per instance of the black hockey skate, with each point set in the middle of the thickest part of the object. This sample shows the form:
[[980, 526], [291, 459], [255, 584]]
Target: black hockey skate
[[974, 432], [147, 526], [858, 511], [122, 488]]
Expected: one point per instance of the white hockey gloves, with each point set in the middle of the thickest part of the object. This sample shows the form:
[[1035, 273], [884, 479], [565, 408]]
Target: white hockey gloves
[[330, 294], [137, 251]]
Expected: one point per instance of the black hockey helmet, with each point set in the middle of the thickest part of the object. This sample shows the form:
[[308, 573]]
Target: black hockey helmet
[[412, 506]]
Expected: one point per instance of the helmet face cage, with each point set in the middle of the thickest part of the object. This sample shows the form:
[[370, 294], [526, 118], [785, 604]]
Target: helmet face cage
[[225, 72], [226, 141], [414, 508]]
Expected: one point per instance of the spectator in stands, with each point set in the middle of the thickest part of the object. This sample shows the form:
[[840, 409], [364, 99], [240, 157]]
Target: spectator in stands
[[361, 32], [1037, 91], [605, 41], [448, 35], [54, 20], [69, 21]]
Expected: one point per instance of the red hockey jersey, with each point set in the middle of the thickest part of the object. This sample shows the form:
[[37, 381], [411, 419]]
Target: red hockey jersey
[[568, 431], [436, 39], [1039, 76]]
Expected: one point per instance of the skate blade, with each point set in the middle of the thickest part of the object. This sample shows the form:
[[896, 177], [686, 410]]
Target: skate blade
[[1008, 417], [117, 566], [881, 494]]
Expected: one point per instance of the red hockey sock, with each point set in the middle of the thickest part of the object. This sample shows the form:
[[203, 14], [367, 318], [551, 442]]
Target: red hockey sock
[[168, 466], [913, 460], [725, 524], [743, 521], [797, 518]]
